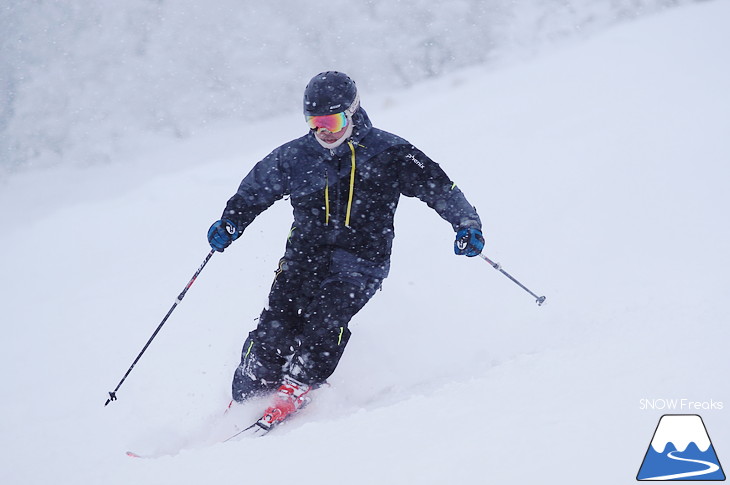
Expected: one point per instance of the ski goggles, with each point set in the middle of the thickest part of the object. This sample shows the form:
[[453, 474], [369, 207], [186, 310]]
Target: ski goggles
[[332, 123]]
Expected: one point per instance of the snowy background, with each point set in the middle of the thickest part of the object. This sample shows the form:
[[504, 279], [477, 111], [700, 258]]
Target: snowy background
[[92, 81], [599, 167]]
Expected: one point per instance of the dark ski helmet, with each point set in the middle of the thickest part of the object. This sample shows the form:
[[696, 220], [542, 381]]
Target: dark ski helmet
[[330, 92]]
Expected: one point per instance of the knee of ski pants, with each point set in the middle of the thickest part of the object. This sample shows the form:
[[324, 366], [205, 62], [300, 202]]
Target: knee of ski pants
[[278, 328], [328, 316], [330, 336], [314, 363], [342, 295]]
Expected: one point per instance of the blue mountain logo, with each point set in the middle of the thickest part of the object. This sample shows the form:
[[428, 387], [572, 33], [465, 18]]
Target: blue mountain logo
[[681, 450]]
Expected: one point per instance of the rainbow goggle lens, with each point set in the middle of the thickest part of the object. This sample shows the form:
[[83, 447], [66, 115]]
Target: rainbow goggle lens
[[332, 123]]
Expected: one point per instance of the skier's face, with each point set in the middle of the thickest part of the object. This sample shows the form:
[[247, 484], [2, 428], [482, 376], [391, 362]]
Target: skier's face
[[329, 137], [329, 128]]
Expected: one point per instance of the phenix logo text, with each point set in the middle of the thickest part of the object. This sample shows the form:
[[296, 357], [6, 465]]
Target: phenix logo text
[[679, 405]]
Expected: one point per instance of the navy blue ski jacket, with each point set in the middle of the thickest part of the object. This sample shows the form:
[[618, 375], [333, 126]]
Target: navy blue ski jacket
[[345, 199]]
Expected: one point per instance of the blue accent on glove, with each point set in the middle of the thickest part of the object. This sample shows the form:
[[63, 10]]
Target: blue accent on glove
[[221, 234], [469, 242]]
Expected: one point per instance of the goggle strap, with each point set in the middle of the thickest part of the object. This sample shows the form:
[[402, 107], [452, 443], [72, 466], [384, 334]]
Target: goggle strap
[[354, 106]]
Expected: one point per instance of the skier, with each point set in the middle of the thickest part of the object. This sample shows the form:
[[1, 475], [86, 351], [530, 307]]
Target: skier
[[344, 179]]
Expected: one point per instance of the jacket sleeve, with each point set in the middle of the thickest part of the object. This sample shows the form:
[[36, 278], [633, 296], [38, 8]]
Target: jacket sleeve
[[421, 177], [266, 183]]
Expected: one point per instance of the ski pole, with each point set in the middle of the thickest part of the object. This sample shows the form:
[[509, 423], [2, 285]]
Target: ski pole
[[113, 394], [540, 299]]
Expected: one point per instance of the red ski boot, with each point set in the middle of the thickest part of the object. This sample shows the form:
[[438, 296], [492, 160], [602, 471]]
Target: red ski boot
[[290, 398]]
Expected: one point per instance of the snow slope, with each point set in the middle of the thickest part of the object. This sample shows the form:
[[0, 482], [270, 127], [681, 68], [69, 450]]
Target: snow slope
[[600, 172]]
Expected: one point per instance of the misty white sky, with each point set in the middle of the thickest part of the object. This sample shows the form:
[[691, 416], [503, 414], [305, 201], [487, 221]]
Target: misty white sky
[[81, 81]]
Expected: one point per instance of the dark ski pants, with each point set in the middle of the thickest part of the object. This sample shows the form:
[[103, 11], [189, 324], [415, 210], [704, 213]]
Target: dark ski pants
[[304, 330]]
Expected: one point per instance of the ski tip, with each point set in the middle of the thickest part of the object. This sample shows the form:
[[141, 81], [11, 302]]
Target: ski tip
[[133, 454]]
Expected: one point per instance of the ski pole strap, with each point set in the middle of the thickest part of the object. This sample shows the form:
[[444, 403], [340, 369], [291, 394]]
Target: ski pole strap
[[538, 299]]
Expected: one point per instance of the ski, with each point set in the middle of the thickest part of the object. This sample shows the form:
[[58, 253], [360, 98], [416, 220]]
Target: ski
[[257, 429], [132, 454], [261, 427], [291, 398], [265, 424]]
